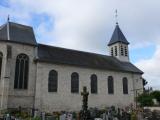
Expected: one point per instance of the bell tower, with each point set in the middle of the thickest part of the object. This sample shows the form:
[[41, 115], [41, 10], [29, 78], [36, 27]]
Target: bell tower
[[118, 45]]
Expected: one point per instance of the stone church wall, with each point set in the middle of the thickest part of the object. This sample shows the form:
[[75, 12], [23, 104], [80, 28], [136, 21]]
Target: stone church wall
[[3, 81], [65, 100], [17, 97]]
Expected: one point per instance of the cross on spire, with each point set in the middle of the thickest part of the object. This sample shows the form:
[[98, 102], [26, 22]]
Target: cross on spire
[[8, 18], [116, 16]]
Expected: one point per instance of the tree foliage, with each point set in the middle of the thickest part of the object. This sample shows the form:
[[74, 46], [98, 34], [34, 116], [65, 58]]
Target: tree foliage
[[144, 83], [156, 95], [145, 100]]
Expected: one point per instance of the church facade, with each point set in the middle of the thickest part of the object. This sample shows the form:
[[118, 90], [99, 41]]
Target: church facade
[[50, 78]]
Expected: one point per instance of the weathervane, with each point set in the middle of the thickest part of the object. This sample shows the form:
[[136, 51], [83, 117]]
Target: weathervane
[[116, 16]]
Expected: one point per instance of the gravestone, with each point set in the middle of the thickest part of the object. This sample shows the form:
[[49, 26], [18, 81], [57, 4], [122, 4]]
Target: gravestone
[[63, 117], [43, 115], [93, 112], [98, 119], [51, 118], [147, 114], [110, 116], [115, 118], [8, 117], [69, 116], [35, 113], [105, 116]]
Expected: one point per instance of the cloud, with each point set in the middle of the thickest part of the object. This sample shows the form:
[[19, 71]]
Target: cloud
[[151, 68], [80, 23], [88, 24]]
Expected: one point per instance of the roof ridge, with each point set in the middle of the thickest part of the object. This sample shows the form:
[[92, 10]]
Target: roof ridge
[[21, 24]]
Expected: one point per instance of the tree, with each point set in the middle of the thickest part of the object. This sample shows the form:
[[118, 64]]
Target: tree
[[145, 100], [144, 83], [156, 95]]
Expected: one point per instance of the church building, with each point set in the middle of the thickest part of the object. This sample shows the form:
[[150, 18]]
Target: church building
[[49, 78]]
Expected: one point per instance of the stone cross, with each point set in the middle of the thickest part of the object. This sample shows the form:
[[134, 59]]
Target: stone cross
[[84, 111], [43, 115]]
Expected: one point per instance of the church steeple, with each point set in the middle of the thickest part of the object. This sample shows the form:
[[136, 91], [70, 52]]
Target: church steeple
[[118, 36], [118, 45]]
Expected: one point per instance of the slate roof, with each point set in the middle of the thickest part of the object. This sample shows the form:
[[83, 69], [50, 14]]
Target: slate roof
[[18, 33], [24, 35], [117, 36], [83, 59]]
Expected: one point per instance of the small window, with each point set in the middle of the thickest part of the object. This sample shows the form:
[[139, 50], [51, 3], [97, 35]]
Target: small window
[[125, 85], [115, 50], [21, 72], [53, 81], [74, 83], [93, 83], [1, 58], [110, 85]]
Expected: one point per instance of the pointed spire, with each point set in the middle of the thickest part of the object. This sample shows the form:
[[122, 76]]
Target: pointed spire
[[117, 36]]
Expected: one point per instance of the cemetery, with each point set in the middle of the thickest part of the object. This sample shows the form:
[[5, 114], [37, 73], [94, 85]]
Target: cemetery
[[106, 113], [109, 113]]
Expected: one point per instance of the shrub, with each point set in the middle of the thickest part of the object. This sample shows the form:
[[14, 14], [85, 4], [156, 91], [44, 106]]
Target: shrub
[[133, 116], [145, 100], [156, 95]]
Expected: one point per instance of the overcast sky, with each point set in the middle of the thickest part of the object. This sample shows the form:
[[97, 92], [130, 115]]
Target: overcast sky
[[88, 25]]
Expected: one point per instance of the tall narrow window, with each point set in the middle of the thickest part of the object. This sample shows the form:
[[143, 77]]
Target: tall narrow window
[[115, 50], [125, 85], [74, 83], [93, 83], [110, 85], [52, 81], [21, 72], [122, 50], [126, 52], [112, 51], [1, 57]]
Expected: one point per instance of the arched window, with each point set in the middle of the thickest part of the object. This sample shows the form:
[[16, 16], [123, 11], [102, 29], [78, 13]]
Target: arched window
[[1, 58], [110, 85], [21, 72], [52, 81], [93, 83], [125, 85], [74, 83]]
